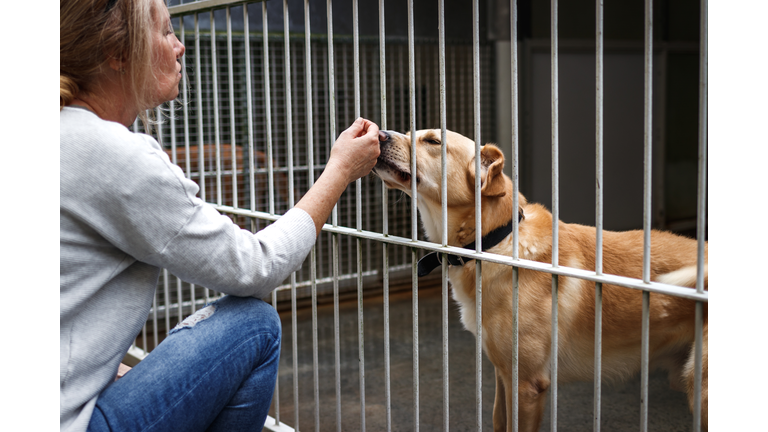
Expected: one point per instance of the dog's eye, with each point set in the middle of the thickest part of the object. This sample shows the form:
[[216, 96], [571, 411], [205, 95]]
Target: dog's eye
[[432, 141]]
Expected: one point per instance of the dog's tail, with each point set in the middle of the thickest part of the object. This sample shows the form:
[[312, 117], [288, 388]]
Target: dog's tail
[[685, 277]]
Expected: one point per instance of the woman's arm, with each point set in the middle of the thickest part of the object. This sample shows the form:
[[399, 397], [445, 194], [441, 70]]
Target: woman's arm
[[353, 155]]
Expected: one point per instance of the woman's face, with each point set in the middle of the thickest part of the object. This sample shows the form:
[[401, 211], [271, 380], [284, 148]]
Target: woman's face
[[167, 54]]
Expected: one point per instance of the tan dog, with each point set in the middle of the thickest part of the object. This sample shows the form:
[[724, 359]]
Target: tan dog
[[673, 261]]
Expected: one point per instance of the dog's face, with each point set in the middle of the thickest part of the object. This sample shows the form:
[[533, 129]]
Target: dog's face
[[394, 166]]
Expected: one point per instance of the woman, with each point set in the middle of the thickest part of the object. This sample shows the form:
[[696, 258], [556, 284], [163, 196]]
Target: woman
[[126, 211]]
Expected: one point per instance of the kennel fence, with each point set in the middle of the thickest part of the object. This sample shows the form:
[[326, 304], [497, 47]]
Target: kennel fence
[[261, 113]]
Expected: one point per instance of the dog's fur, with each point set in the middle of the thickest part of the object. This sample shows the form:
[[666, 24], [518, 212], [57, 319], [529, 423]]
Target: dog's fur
[[673, 261]]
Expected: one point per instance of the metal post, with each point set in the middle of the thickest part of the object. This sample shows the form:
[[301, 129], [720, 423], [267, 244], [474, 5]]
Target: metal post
[[267, 108], [701, 215], [199, 94], [359, 220], [444, 212], [385, 222], [515, 210], [414, 220], [232, 116], [249, 111], [555, 211], [599, 91], [647, 216], [478, 216], [334, 219], [215, 90]]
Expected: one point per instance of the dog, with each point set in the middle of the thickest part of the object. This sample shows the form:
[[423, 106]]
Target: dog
[[673, 261]]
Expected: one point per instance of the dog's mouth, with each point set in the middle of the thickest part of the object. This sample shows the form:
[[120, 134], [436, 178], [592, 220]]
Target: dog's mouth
[[396, 172]]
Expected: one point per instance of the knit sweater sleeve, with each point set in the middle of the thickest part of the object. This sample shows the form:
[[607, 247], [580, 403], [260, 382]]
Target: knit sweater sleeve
[[140, 202]]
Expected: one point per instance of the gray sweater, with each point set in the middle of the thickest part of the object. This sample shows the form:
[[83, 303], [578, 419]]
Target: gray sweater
[[126, 212]]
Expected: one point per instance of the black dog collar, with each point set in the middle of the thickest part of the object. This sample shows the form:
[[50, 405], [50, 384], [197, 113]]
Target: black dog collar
[[431, 260]]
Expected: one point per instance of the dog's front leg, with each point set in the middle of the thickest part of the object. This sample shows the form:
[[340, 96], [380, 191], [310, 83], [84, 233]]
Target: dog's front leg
[[532, 398], [500, 411]]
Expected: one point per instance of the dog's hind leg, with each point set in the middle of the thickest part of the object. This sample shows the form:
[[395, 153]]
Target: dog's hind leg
[[500, 411], [688, 373]]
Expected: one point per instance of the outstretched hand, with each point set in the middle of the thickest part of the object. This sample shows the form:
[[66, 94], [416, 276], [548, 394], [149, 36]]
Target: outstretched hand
[[355, 151], [353, 155]]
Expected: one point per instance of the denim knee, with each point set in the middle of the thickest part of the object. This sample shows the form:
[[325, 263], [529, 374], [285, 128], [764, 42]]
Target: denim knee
[[255, 313]]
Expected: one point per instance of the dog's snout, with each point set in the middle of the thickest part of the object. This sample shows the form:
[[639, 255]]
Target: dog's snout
[[383, 136]]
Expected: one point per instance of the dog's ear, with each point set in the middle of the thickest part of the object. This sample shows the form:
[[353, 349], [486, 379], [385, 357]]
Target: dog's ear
[[491, 176]]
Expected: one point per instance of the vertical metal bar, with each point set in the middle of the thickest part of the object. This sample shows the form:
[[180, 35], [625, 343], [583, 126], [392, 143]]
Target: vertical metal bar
[[644, 362], [200, 133], [268, 108], [179, 301], [332, 92], [414, 224], [385, 221], [334, 220], [166, 302], [315, 373], [192, 298], [415, 318], [311, 181], [359, 215], [336, 337], [555, 211], [295, 352], [599, 93], [232, 117], [648, 140], [289, 130], [249, 109], [515, 210], [154, 320], [145, 344], [251, 174], [308, 96], [647, 216], [276, 397], [217, 140], [478, 216], [185, 105], [444, 212], [701, 215], [172, 108], [288, 99]]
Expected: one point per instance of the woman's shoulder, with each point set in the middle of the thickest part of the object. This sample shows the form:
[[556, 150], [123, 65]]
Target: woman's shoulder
[[81, 131]]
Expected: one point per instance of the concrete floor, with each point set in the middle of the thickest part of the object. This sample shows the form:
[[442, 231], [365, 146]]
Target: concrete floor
[[668, 410]]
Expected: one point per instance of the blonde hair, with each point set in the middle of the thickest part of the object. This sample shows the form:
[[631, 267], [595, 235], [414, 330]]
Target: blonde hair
[[95, 31]]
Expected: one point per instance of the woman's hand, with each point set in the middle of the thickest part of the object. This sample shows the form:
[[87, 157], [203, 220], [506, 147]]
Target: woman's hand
[[353, 155], [122, 370], [355, 151]]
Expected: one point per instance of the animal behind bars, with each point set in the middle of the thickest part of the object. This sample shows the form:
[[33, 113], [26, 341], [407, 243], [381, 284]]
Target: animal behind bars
[[673, 261]]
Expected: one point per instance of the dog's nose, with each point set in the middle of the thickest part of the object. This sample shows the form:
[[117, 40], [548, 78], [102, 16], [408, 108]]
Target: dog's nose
[[383, 136]]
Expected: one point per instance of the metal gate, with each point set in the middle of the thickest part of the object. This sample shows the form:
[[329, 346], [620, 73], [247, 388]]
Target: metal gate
[[263, 107]]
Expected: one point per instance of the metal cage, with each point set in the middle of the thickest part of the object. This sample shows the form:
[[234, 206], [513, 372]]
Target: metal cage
[[262, 108]]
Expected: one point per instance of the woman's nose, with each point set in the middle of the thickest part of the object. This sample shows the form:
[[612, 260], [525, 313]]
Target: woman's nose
[[182, 49]]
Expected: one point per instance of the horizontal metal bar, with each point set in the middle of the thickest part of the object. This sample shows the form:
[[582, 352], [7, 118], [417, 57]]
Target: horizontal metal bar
[[273, 425], [623, 281], [205, 5]]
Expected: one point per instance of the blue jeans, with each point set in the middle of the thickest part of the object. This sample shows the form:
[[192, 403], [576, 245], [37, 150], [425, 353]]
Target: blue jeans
[[214, 372]]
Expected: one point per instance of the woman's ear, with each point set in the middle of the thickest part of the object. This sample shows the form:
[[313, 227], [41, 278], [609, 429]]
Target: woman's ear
[[118, 65]]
